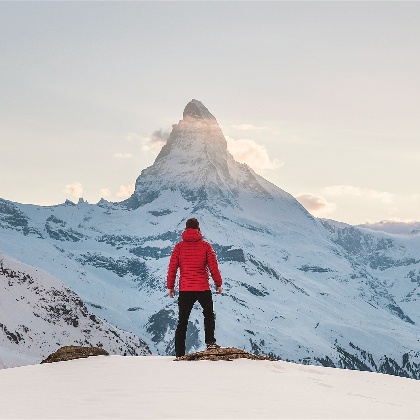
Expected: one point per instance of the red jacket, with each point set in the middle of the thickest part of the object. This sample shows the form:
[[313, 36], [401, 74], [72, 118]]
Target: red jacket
[[194, 257]]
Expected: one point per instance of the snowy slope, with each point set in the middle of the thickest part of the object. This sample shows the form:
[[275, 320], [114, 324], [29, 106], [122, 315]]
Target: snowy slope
[[38, 314], [157, 387], [295, 287]]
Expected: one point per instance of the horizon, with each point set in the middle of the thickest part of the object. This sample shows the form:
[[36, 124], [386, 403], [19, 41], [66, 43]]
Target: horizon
[[321, 99]]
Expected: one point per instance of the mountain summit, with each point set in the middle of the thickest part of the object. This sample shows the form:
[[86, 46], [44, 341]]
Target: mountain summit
[[195, 109], [197, 136], [195, 163]]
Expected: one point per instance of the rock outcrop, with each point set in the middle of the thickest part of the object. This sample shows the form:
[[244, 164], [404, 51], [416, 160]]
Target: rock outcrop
[[224, 353], [74, 352]]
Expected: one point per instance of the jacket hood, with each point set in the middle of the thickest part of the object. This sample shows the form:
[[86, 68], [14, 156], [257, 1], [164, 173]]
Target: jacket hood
[[191, 235]]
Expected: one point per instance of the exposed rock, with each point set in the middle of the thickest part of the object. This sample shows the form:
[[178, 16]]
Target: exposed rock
[[195, 109], [224, 353], [74, 352]]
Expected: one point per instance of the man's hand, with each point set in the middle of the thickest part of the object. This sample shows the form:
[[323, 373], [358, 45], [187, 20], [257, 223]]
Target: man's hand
[[171, 293], [219, 290]]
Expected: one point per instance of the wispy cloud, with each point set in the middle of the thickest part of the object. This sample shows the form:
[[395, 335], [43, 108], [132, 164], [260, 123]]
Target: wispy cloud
[[394, 225], [125, 191], [398, 220], [253, 154], [337, 190], [75, 189], [105, 192], [316, 204], [150, 142], [123, 155], [249, 127], [133, 136]]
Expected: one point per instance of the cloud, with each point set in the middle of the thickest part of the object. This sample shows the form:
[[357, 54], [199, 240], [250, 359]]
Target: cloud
[[383, 196], [123, 155], [125, 191], [75, 189], [133, 136], [44, 203], [249, 127], [150, 142], [398, 220], [253, 154], [316, 204], [155, 141], [394, 225], [105, 192]]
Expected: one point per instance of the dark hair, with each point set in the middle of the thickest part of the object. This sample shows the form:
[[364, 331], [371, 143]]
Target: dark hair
[[192, 223]]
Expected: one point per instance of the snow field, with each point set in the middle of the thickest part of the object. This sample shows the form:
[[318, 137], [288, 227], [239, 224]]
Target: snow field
[[158, 387]]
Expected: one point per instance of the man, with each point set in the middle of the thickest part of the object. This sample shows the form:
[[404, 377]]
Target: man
[[194, 257]]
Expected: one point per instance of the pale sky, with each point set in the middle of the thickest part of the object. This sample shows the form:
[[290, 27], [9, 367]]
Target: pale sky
[[321, 98]]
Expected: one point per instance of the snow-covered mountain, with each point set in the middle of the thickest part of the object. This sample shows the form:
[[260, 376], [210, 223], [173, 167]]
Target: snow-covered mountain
[[295, 287], [38, 314]]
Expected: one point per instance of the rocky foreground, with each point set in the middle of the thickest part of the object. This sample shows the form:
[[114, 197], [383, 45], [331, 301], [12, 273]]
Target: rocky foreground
[[224, 353], [74, 352]]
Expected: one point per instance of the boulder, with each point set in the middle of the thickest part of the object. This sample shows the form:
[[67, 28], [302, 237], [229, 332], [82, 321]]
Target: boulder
[[74, 352], [223, 353]]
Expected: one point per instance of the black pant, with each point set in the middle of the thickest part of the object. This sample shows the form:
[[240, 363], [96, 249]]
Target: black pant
[[186, 302]]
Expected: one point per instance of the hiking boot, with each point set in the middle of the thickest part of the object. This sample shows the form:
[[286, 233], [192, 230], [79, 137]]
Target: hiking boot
[[213, 346]]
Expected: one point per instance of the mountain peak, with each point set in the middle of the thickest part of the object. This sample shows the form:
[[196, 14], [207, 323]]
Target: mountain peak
[[195, 136], [195, 161], [195, 109]]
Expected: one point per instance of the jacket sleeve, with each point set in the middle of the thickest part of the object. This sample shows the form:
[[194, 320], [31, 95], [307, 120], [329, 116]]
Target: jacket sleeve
[[173, 268], [213, 266]]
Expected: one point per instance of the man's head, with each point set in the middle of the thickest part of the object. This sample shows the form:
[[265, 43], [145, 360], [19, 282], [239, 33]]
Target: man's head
[[192, 224]]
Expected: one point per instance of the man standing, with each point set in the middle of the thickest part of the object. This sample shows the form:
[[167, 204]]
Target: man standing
[[194, 257]]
